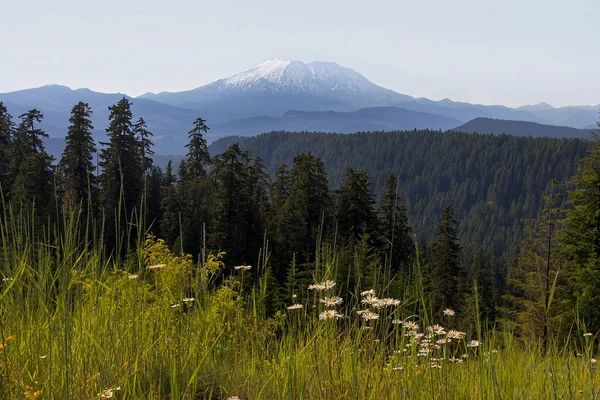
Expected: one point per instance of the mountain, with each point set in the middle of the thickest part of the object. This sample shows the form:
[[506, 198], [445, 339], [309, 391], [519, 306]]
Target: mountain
[[278, 86], [521, 128], [169, 124], [363, 120]]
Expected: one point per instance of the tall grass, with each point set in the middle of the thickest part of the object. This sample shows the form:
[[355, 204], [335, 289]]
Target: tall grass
[[78, 324]]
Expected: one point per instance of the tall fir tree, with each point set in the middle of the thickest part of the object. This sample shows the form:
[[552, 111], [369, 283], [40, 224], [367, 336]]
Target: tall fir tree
[[169, 222], [395, 229], [355, 208], [122, 173], [31, 165], [580, 239], [7, 130], [76, 165], [231, 215], [198, 156], [444, 269], [143, 136]]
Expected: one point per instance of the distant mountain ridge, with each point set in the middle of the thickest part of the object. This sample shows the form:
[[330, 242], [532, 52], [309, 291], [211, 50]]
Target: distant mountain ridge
[[283, 95], [521, 128]]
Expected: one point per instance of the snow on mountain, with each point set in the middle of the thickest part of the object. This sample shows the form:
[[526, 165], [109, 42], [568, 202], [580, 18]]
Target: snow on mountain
[[295, 76], [277, 86]]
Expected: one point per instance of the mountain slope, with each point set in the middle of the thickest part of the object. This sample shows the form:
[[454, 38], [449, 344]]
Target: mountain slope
[[521, 128], [363, 120], [277, 86], [495, 183], [169, 124]]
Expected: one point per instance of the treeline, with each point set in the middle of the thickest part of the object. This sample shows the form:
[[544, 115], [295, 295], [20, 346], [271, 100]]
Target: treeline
[[495, 183], [293, 224]]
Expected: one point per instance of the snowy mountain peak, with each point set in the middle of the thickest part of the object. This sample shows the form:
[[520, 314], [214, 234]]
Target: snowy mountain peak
[[295, 76]]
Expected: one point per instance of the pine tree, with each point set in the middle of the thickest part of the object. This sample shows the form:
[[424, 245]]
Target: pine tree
[[142, 134], [31, 165], [395, 229], [580, 239], [169, 222], [76, 164], [231, 225], [537, 300], [198, 156], [122, 171], [7, 129], [355, 212], [444, 267]]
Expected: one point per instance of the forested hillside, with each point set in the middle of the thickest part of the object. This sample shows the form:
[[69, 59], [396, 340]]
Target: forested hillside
[[495, 183]]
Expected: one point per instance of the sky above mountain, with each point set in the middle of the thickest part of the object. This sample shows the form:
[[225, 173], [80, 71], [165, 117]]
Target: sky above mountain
[[513, 52]]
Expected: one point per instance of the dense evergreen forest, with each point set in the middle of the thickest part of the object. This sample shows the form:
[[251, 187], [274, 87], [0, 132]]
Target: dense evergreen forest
[[446, 211], [494, 183]]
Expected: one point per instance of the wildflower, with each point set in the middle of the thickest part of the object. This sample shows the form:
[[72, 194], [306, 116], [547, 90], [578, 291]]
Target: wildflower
[[411, 325], [369, 316], [588, 334], [330, 314], [398, 369], [437, 329], [11, 338], [369, 299], [359, 312], [188, 300], [396, 321], [370, 292], [295, 307], [328, 284], [294, 296], [449, 312], [442, 341], [176, 305], [387, 302], [233, 398], [157, 266], [108, 393], [332, 301], [133, 276], [42, 357], [8, 279], [456, 335], [494, 351], [318, 286], [465, 356], [243, 267], [473, 343], [593, 361]]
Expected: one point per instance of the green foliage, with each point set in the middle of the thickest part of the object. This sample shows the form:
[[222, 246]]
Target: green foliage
[[580, 239], [76, 165]]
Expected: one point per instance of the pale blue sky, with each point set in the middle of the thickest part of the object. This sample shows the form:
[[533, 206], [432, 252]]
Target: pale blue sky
[[510, 52]]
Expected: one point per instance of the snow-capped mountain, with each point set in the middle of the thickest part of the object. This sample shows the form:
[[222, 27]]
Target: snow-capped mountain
[[277, 86]]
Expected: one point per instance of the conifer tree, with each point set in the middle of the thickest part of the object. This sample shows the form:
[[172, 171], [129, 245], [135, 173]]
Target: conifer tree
[[355, 212], [31, 165], [395, 229], [580, 239], [169, 222], [198, 156], [6, 142], [444, 268], [143, 135], [122, 171], [77, 168], [231, 225]]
